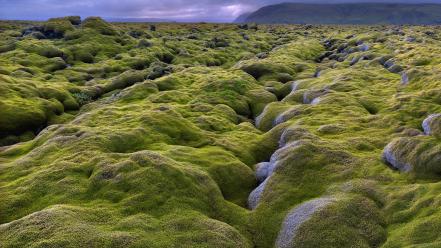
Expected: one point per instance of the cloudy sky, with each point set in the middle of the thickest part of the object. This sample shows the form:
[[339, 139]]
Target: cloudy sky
[[177, 10]]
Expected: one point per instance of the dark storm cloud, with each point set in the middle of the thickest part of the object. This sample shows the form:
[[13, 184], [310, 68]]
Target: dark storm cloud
[[180, 10]]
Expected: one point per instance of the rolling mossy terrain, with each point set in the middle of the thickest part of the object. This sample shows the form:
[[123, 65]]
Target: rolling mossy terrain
[[217, 135]]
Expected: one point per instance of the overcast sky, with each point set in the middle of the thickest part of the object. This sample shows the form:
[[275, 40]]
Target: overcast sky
[[178, 10]]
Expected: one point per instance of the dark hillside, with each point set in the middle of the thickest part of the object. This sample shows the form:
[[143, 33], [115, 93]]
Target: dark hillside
[[353, 13]]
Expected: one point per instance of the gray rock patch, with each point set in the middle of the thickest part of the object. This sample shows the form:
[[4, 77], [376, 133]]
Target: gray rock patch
[[297, 217], [317, 73], [259, 118], [404, 78], [284, 151], [286, 116], [390, 157], [256, 194], [309, 96], [292, 134], [395, 69], [354, 61], [264, 170], [294, 86], [389, 63], [428, 122], [316, 101], [410, 39], [363, 47]]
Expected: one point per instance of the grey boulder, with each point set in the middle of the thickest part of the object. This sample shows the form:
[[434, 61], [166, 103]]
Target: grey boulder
[[297, 217]]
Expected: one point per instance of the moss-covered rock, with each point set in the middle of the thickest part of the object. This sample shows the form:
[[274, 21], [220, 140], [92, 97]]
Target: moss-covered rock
[[57, 27], [259, 99], [349, 220], [99, 25], [56, 64], [125, 79], [418, 155], [432, 125], [10, 46]]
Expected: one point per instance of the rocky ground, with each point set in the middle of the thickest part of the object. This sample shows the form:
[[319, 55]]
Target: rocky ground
[[213, 135]]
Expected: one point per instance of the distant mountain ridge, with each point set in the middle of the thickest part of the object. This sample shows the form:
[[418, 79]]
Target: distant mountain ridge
[[243, 17], [347, 13]]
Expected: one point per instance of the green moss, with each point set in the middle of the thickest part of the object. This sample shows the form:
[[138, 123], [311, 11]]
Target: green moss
[[275, 67], [57, 27], [16, 119], [99, 25], [144, 43], [355, 221], [124, 80], [83, 56], [105, 143], [259, 99], [56, 64], [42, 48], [10, 46], [417, 155], [167, 83], [266, 120], [262, 69], [75, 20]]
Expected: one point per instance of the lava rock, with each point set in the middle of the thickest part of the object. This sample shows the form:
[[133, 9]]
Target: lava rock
[[391, 156], [296, 217], [264, 170], [256, 194], [432, 125], [395, 68], [404, 78]]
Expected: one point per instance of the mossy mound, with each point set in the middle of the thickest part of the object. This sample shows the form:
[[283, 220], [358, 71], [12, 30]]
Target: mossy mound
[[26, 107], [259, 99], [124, 80], [274, 66], [432, 125], [351, 221], [57, 27], [99, 25], [418, 155]]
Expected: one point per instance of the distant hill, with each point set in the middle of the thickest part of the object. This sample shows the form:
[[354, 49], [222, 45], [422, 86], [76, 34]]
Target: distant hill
[[347, 13], [243, 17]]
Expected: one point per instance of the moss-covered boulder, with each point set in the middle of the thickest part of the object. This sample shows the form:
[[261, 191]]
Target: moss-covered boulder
[[57, 27], [99, 25], [432, 125], [258, 99], [350, 221], [420, 156], [125, 79]]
